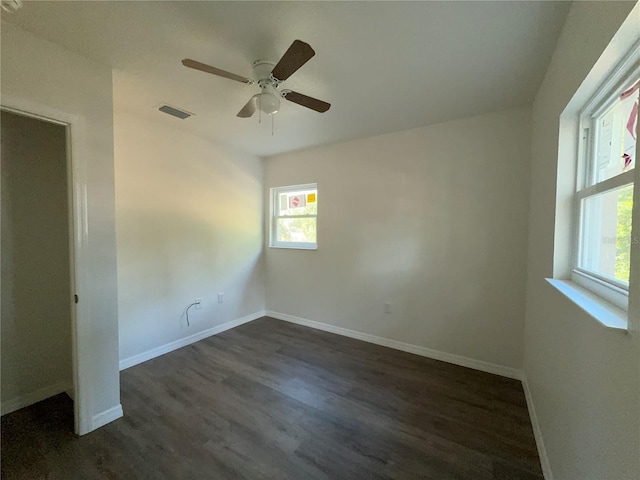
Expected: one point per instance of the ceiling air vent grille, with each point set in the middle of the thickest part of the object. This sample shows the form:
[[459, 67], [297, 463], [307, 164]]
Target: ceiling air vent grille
[[175, 112]]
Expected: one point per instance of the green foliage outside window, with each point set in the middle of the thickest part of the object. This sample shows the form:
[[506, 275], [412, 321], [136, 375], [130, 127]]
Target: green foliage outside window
[[623, 236], [298, 229]]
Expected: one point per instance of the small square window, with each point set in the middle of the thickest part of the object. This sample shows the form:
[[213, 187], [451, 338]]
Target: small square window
[[294, 216]]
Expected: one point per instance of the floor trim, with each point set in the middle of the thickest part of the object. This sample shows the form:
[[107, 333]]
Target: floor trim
[[102, 418], [537, 432], [405, 347], [169, 347], [17, 403]]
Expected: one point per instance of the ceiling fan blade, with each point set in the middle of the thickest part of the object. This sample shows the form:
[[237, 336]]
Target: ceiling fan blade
[[187, 62], [296, 56], [305, 101], [249, 109]]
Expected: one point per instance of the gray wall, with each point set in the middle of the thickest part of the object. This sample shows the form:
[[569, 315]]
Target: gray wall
[[36, 311], [189, 223], [38, 73], [583, 377], [432, 220]]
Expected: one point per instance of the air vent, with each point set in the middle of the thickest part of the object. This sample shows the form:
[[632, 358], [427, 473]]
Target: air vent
[[169, 110]]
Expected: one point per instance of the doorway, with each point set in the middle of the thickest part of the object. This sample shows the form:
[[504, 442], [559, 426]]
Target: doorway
[[37, 277]]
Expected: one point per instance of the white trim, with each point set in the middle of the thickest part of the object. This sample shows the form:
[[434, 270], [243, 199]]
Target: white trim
[[108, 416], [183, 342], [296, 246], [609, 290], [624, 75], [17, 403], [77, 156], [273, 218], [634, 277], [405, 347], [537, 432], [606, 313], [621, 180], [616, 82], [295, 188]]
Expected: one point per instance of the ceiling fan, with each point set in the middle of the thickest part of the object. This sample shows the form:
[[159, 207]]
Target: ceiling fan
[[269, 75]]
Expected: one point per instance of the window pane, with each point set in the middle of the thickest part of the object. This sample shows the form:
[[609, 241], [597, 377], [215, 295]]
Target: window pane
[[606, 233], [296, 230], [615, 138], [303, 202]]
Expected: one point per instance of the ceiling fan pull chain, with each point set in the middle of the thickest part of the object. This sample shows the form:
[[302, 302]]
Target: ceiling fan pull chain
[[259, 109]]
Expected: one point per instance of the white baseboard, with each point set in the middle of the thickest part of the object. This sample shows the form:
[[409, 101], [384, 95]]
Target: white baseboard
[[405, 347], [169, 347], [102, 418], [537, 432], [17, 403]]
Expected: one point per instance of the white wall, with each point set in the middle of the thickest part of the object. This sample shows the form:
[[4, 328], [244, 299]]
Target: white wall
[[189, 225], [36, 289], [38, 72], [432, 220], [584, 378]]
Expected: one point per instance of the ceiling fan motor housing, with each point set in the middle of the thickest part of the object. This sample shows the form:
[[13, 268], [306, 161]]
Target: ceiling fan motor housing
[[262, 71]]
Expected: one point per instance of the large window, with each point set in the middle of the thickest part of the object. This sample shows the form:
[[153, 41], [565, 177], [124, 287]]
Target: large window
[[604, 199], [294, 216]]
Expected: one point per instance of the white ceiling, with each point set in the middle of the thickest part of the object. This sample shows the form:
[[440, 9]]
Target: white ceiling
[[384, 66]]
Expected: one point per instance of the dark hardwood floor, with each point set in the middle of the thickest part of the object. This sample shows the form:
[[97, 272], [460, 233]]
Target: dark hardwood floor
[[272, 400]]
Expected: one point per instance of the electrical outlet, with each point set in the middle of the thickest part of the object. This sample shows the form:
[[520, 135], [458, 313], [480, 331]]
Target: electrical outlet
[[221, 298], [387, 307], [198, 303]]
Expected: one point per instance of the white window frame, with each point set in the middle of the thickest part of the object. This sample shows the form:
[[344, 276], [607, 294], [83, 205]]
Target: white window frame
[[627, 73], [273, 218]]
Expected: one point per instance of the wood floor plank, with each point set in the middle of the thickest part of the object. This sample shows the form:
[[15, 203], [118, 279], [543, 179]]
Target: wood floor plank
[[272, 400]]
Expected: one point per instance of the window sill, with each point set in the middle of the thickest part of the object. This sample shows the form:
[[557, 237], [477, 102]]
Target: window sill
[[604, 312], [292, 247]]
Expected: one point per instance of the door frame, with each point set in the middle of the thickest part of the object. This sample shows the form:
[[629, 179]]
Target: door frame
[[76, 149]]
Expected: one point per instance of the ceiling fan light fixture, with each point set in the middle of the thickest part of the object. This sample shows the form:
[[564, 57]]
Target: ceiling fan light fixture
[[268, 103]]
